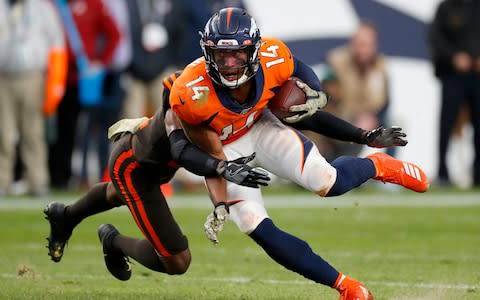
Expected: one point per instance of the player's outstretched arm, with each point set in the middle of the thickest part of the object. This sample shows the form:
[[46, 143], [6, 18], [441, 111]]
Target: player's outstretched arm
[[327, 124], [208, 140], [201, 163]]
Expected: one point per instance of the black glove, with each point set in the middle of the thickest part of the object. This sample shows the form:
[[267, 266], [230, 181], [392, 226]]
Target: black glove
[[381, 137], [237, 171]]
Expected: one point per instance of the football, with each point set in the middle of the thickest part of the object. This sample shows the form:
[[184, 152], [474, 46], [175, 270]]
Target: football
[[287, 95]]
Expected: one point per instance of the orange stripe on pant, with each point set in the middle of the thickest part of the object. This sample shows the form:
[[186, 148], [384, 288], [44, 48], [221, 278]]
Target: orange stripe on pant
[[302, 154], [137, 201], [116, 174]]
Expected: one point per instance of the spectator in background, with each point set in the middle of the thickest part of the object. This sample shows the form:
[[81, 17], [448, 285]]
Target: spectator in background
[[32, 82], [330, 148], [99, 37], [455, 42], [156, 27], [197, 13], [123, 54], [195, 19], [100, 117], [360, 78]]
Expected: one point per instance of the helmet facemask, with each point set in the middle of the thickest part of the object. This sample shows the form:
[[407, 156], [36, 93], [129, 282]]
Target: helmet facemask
[[245, 66]]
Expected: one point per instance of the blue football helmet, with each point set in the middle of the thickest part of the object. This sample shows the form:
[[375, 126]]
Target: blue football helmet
[[231, 29]]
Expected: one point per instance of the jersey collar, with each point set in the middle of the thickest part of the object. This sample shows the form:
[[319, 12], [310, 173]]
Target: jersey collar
[[232, 105]]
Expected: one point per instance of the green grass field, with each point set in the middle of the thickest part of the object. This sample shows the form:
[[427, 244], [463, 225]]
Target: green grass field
[[402, 245]]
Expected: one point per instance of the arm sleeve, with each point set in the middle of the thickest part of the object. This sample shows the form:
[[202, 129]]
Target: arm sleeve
[[190, 156], [306, 74], [325, 123]]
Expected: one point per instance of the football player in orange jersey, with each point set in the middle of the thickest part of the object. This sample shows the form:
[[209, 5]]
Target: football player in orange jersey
[[146, 154], [221, 100]]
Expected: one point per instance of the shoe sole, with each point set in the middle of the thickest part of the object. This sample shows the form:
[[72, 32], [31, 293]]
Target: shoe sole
[[55, 249]]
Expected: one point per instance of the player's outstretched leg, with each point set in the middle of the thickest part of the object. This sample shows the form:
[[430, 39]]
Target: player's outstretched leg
[[59, 231], [117, 263], [351, 289], [406, 174], [296, 255], [64, 218]]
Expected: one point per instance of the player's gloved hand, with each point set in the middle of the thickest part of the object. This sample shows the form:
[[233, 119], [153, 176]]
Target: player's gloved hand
[[381, 137], [237, 171], [315, 100], [215, 221]]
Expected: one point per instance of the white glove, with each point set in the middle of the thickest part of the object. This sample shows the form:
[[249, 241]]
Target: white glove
[[315, 100], [215, 221]]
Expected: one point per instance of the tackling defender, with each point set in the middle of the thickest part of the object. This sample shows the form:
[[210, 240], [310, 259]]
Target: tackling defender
[[221, 100], [146, 154]]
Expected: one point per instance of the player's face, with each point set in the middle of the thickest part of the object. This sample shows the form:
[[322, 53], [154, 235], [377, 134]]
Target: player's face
[[364, 45], [231, 63]]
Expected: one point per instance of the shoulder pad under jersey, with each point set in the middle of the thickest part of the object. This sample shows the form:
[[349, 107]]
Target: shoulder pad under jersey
[[276, 60], [191, 92]]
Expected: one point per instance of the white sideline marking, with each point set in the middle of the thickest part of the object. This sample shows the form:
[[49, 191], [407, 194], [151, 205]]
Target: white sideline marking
[[387, 199], [427, 285], [372, 256], [91, 248], [247, 280]]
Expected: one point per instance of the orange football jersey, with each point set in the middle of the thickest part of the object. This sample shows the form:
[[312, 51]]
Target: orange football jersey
[[196, 100]]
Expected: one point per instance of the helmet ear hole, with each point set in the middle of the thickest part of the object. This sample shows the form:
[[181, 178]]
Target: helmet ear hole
[[231, 29]]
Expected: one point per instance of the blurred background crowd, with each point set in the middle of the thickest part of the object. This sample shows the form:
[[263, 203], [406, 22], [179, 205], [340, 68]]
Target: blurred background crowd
[[70, 68]]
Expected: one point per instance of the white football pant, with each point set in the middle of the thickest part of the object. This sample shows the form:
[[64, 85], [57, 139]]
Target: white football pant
[[282, 151]]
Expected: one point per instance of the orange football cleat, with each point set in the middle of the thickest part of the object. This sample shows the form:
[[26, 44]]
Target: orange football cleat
[[351, 289], [399, 172]]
